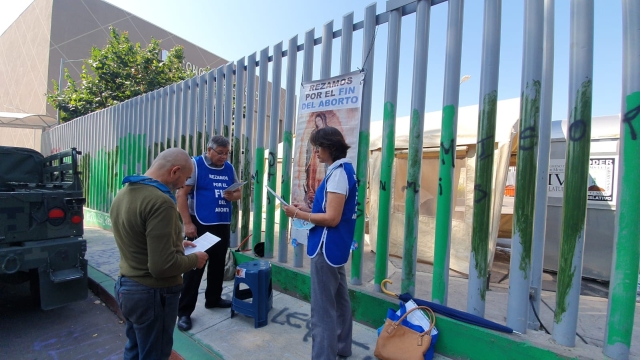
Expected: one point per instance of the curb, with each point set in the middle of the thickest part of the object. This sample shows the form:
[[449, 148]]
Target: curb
[[184, 346]]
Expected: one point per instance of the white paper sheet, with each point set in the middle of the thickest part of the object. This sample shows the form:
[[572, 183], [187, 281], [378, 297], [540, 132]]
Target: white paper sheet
[[202, 243], [277, 196], [235, 186]]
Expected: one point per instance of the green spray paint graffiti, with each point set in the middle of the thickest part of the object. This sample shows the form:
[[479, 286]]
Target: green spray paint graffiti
[[246, 191], [445, 196], [482, 187], [524, 206], [285, 189], [362, 174], [235, 210], [574, 204]]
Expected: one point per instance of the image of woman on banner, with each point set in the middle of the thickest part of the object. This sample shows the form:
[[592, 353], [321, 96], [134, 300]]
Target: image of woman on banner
[[311, 162], [333, 214]]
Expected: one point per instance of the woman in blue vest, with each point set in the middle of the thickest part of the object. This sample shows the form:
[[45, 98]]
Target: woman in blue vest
[[329, 245]]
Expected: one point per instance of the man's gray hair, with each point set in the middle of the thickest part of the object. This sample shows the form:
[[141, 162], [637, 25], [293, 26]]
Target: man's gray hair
[[218, 141]]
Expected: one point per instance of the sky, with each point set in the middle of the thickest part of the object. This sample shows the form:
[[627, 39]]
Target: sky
[[233, 30]]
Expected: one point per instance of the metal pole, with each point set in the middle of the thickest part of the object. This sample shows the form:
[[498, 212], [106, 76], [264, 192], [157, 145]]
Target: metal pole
[[414, 161], [259, 174], [540, 212], [219, 103], [247, 142], [574, 202], [388, 145], [307, 75], [488, 107], [287, 145], [238, 118], [272, 169], [327, 47], [228, 100], [60, 88], [520, 267], [622, 302], [346, 43], [446, 193], [362, 168]]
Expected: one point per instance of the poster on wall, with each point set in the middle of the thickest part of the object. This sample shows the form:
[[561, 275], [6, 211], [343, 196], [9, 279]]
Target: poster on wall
[[332, 102], [602, 179]]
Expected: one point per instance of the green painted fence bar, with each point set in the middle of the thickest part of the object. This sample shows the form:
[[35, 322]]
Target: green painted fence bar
[[238, 119], [414, 163], [388, 145], [272, 163], [287, 146], [362, 167], [622, 302], [527, 165], [247, 146], [574, 203], [258, 180], [448, 135], [488, 107]]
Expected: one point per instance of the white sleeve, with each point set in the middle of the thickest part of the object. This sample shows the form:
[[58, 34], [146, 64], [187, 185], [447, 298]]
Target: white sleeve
[[337, 182]]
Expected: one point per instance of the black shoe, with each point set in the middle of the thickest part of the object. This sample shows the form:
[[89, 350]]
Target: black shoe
[[184, 323], [222, 303]]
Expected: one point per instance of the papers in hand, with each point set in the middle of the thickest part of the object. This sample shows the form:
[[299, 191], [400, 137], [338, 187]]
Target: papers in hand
[[234, 186], [202, 243], [277, 197]]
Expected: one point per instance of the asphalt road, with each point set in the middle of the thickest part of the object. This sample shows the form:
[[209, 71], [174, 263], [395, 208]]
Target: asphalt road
[[82, 330]]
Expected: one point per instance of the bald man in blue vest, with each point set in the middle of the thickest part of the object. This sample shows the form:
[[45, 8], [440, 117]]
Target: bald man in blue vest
[[205, 206]]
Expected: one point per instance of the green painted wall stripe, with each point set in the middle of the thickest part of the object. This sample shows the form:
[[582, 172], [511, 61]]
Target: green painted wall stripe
[[444, 204], [384, 208], [362, 173], [235, 206], [574, 203], [627, 252], [483, 182], [270, 223], [285, 187], [246, 192]]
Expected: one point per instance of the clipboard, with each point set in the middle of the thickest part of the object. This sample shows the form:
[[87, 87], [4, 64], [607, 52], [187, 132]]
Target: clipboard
[[277, 196], [202, 243]]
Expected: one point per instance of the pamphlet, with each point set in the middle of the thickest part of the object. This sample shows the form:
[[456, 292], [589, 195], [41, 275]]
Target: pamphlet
[[202, 243], [234, 186], [277, 196]]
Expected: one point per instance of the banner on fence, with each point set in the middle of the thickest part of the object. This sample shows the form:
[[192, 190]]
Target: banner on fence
[[332, 102]]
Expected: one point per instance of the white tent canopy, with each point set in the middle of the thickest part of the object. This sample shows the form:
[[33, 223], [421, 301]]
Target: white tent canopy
[[22, 120]]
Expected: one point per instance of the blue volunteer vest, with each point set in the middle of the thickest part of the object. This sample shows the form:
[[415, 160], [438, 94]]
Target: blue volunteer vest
[[209, 205], [338, 239]]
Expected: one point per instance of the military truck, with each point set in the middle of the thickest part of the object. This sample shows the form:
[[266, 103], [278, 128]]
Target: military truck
[[41, 225]]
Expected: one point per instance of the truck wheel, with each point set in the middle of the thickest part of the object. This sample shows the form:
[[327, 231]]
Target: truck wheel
[[34, 284]]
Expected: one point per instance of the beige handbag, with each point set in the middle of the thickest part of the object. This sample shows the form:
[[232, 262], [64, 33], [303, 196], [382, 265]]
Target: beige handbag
[[398, 342]]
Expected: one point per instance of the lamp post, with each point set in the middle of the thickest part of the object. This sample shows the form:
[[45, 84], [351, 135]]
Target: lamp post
[[62, 61]]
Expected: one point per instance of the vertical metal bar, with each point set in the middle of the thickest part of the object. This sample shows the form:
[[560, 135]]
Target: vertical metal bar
[[388, 146], [346, 43], [193, 118], [165, 120], [247, 142], [362, 168], [523, 211], [307, 75], [184, 115], [200, 132], [327, 46], [540, 212], [139, 134], [210, 118], [259, 174], [238, 118], [171, 114], [219, 103], [228, 100], [479, 259], [574, 202], [272, 169], [287, 144], [414, 160], [446, 193], [148, 119], [621, 307]]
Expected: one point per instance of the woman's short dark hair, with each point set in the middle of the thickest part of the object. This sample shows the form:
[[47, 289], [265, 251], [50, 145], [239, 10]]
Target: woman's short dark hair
[[331, 139]]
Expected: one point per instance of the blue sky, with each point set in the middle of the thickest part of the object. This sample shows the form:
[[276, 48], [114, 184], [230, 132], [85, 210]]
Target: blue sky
[[232, 32]]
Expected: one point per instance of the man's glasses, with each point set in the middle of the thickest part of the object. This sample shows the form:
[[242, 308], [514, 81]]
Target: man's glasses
[[221, 153]]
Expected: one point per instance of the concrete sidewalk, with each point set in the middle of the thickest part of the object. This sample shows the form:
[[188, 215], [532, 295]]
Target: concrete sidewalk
[[214, 334]]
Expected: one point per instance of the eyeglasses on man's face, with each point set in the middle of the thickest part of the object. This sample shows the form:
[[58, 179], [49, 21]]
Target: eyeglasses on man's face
[[220, 153]]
